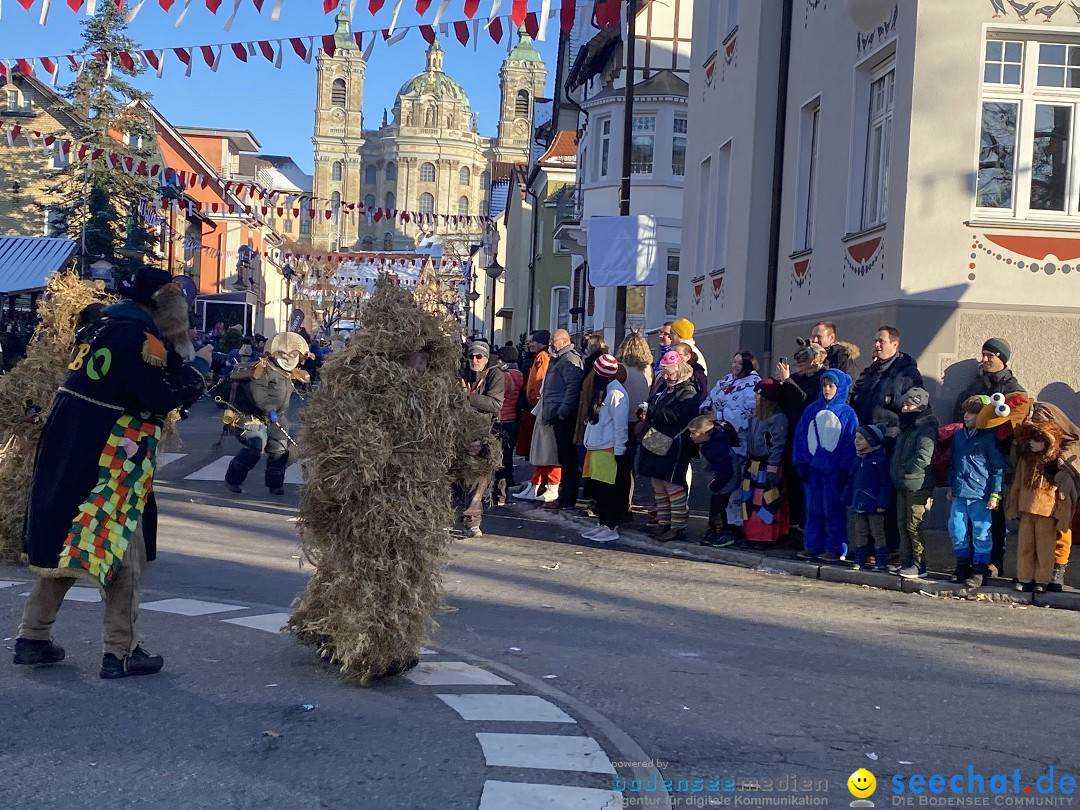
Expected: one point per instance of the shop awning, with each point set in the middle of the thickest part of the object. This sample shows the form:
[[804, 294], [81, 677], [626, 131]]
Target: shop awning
[[26, 262]]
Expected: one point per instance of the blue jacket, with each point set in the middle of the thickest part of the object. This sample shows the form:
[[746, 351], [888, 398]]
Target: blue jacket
[[825, 436], [869, 487], [718, 454], [977, 468]]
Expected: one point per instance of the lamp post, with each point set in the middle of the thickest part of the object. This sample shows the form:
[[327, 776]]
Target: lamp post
[[493, 270]]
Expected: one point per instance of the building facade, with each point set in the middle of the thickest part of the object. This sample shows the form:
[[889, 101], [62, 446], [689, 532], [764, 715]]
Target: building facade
[[925, 174], [427, 155]]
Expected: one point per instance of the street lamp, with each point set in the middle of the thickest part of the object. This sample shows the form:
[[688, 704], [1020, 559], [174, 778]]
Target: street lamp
[[493, 270]]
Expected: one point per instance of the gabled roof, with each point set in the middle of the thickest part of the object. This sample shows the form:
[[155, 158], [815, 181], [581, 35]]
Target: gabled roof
[[26, 262], [562, 151], [56, 105]]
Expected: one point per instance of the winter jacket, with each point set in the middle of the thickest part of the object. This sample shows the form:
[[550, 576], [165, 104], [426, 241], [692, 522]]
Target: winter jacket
[[637, 385], [977, 469], [910, 468], [881, 387], [825, 436], [869, 488], [843, 357], [611, 429], [486, 395], [540, 365], [798, 391], [670, 411], [767, 438], [512, 383], [725, 466], [732, 400], [987, 384], [562, 387], [700, 356]]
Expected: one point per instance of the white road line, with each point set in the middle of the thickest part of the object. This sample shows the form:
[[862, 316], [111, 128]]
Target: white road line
[[523, 796], [426, 651], [168, 458], [453, 673], [190, 607], [7, 583], [83, 595], [515, 708], [270, 622], [548, 751], [294, 475], [215, 471]]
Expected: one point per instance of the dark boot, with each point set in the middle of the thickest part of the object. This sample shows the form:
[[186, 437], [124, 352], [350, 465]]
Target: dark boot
[[977, 577], [963, 571], [1057, 581], [37, 653], [137, 662]]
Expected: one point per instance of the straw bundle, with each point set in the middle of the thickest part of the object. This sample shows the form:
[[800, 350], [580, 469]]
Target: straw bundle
[[33, 382], [381, 443]]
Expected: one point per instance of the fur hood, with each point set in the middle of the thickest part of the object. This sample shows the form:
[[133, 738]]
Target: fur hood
[[852, 350], [1049, 432]]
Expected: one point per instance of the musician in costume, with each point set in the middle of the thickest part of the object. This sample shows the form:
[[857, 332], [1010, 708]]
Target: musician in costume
[[258, 408], [91, 512]]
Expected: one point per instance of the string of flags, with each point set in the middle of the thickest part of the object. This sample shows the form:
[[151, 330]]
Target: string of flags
[[272, 50], [518, 10], [253, 198]]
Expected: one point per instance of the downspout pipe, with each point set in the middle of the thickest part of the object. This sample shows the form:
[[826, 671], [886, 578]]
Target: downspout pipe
[[783, 81], [532, 257]]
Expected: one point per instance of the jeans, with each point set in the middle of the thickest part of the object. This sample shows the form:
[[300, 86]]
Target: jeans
[[973, 511], [504, 476]]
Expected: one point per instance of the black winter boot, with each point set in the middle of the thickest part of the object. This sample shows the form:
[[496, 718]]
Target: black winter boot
[[1057, 581], [963, 571], [137, 662], [37, 653], [977, 577]]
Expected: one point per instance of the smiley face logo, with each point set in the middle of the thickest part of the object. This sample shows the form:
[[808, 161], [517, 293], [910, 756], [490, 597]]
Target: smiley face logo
[[862, 784]]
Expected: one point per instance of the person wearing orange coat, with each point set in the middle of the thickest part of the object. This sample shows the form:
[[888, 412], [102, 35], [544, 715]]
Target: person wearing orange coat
[[545, 478]]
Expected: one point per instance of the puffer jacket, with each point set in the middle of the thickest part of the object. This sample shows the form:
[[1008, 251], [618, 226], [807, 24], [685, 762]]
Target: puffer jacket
[[987, 384], [977, 469], [768, 437], [910, 468], [869, 489], [562, 385], [611, 429]]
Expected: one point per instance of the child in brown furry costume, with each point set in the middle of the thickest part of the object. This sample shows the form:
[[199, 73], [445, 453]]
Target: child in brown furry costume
[[1042, 500]]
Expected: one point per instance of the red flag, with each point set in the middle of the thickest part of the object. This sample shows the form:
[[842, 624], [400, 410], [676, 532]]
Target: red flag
[[298, 46], [495, 29], [518, 11], [532, 25], [26, 67], [152, 59], [422, 6], [471, 7], [126, 59], [373, 6], [267, 49], [213, 5], [329, 44], [258, 5], [75, 5], [26, 4], [461, 30], [183, 55], [166, 4], [567, 12], [329, 5], [240, 50], [358, 38], [428, 33]]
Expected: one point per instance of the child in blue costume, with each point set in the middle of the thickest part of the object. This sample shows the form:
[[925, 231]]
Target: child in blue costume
[[823, 451]]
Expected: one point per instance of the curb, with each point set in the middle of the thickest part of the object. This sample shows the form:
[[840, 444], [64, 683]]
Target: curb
[[937, 588]]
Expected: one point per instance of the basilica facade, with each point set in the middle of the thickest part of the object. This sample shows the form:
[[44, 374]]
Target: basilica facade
[[427, 155]]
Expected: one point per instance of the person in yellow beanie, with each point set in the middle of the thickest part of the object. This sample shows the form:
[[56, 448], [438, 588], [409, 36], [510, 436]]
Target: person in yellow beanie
[[682, 331]]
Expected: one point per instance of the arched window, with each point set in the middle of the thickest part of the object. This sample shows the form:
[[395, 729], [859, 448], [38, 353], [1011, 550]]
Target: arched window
[[335, 200], [391, 171], [367, 243], [521, 104], [335, 170], [463, 206], [427, 172], [485, 181], [369, 200], [465, 176], [371, 175], [338, 93], [389, 203], [427, 204], [388, 241]]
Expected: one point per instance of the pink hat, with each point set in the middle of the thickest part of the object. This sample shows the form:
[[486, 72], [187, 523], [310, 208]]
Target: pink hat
[[671, 359], [606, 365]]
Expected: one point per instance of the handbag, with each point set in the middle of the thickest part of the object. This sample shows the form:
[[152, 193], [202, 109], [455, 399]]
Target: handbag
[[656, 442]]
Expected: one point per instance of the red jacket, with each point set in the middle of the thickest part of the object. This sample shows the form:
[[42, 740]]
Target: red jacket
[[513, 380]]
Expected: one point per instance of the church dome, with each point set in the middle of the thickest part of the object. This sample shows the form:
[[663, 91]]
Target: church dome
[[434, 82]]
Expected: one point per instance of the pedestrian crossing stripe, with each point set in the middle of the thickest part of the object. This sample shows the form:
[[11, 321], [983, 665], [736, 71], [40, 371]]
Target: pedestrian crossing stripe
[[215, 470]]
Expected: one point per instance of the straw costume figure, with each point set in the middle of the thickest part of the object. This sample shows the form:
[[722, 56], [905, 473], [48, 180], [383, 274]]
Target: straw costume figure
[[383, 439]]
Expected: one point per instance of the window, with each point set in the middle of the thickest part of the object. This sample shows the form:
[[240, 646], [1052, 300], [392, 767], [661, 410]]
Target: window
[[335, 171], [389, 202], [464, 176], [704, 214], [732, 16], [605, 147], [12, 98], [388, 241], [878, 148], [58, 158], [644, 139], [371, 175], [1028, 158], [485, 181], [55, 224], [427, 172], [560, 308], [134, 141], [723, 193], [335, 201], [305, 220], [671, 290], [427, 204], [367, 243], [463, 207], [804, 202], [338, 93], [391, 171], [521, 104], [369, 201], [678, 147]]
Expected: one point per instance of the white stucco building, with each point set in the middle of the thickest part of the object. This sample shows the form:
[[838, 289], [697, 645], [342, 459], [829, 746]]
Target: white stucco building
[[929, 178]]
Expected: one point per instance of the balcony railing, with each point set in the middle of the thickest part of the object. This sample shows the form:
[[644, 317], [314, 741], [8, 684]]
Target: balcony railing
[[570, 204]]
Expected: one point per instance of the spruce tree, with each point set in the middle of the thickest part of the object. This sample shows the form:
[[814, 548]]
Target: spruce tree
[[101, 205]]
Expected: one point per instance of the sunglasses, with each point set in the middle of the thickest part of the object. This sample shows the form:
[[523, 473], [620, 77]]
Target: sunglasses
[[477, 356]]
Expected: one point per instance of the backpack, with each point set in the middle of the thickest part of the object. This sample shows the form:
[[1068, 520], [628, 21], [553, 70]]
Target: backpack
[[942, 457]]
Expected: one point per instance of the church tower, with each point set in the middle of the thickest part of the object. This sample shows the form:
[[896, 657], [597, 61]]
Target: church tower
[[521, 82], [338, 139]]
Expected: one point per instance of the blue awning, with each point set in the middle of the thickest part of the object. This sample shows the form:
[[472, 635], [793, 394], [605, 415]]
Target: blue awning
[[26, 262]]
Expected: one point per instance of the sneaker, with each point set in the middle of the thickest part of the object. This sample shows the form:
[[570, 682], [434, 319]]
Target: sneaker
[[1040, 587], [37, 653], [475, 531], [137, 662], [672, 535], [806, 554], [588, 533], [233, 488], [976, 579], [894, 569], [554, 506], [912, 572], [830, 557], [605, 535], [722, 541]]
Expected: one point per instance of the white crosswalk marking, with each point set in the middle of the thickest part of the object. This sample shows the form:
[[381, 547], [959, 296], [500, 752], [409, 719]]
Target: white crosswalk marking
[[83, 595], [270, 622], [189, 607], [168, 458], [294, 475], [553, 752], [453, 673], [506, 708], [7, 583], [214, 471], [523, 796]]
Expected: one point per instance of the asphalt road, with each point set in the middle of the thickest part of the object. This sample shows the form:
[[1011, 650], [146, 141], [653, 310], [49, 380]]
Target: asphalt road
[[715, 673]]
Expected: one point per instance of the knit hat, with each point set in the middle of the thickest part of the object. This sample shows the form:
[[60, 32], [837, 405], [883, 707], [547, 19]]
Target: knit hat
[[873, 434], [1000, 347], [542, 336], [144, 285], [919, 397], [811, 351], [606, 365], [683, 328], [671, 359], [768, 388], [478, 347], [833, 376]]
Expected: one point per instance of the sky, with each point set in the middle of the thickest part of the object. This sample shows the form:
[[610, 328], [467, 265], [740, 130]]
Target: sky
[[276, 105]]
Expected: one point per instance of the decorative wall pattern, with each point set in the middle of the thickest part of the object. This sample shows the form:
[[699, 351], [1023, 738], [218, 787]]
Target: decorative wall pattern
[[800, 277], [878, 36], [1036, 12], [1046, 254], [863, 257]]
